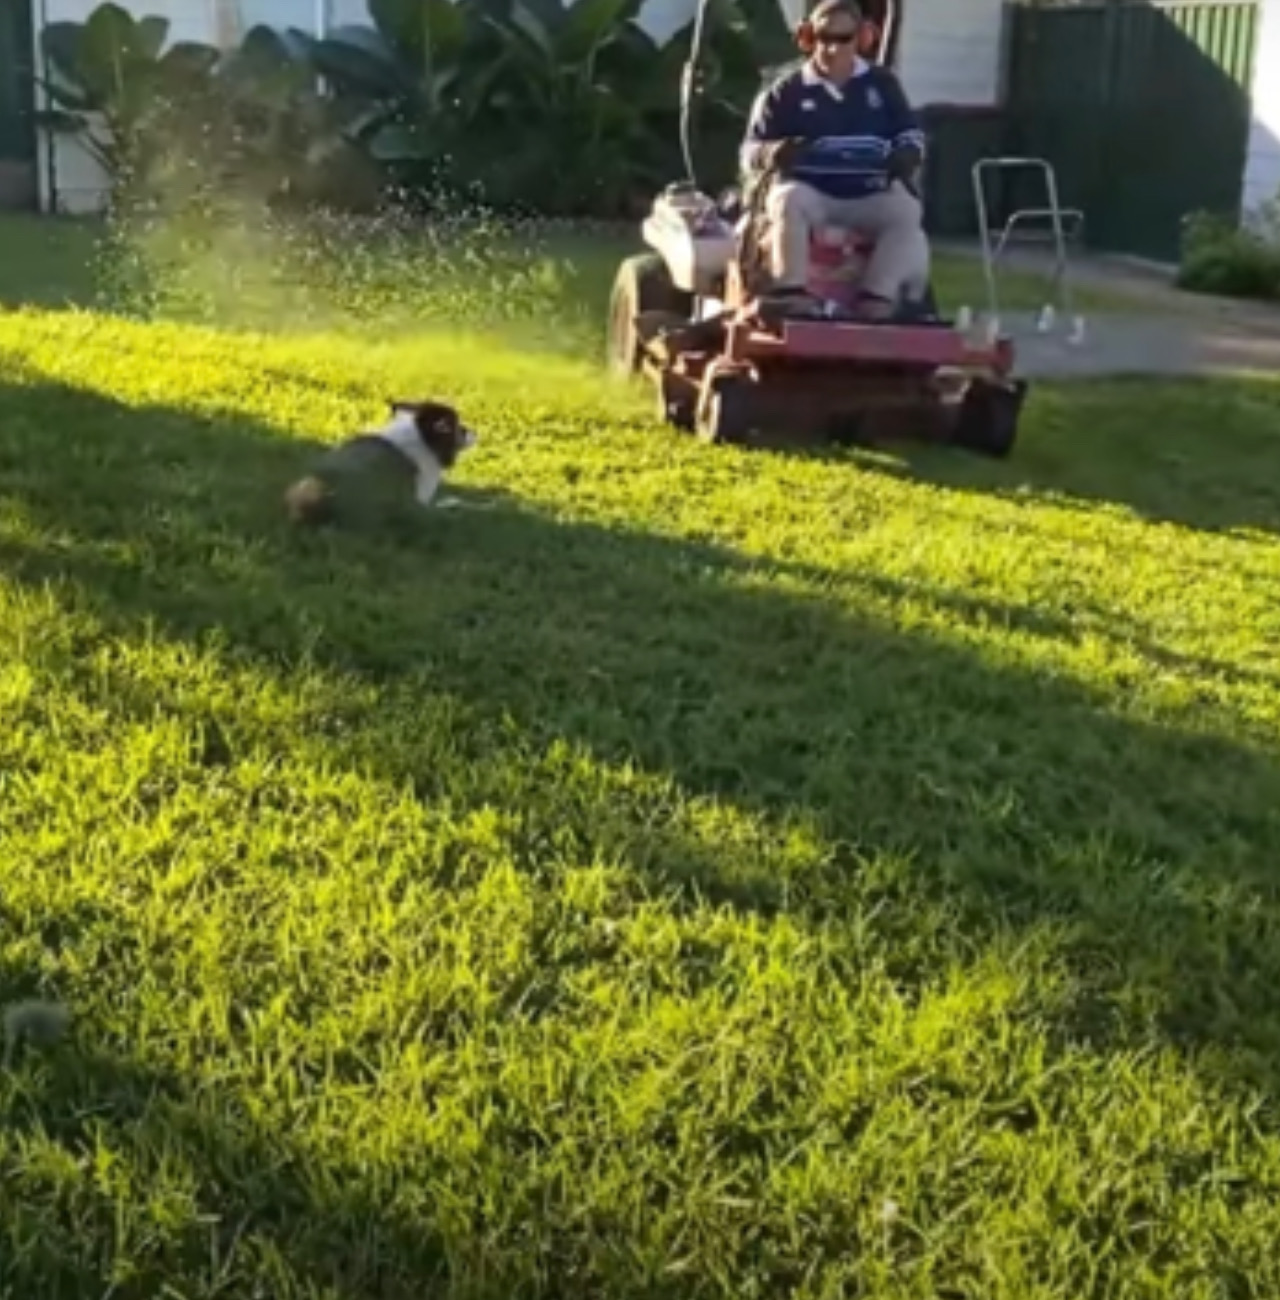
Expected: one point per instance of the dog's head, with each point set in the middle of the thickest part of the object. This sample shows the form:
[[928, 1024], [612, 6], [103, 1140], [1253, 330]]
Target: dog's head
[[438, 426]]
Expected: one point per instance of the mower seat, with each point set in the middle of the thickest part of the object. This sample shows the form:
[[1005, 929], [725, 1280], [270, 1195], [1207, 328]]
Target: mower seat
[[837, 256]]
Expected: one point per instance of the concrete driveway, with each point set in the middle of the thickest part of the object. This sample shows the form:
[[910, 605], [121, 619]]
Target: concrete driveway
[[1154, 328]]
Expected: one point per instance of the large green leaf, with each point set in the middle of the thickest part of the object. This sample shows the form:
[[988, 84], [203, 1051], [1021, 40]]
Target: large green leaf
[[61, 44], [482, 89], [187, 61], [369, 39], [424, 32], [149, 36], [398, 142], [358, 69], [767, 31], [354, 120], [110, 49], [526, 22], [60, 122], [634, 63], [588, 24], [95, 57], [264, 53], [551, 13], [439, 44], [396, 21]]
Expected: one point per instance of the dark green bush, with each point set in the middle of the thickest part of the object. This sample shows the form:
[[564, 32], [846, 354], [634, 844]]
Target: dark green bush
[[1221, 256]]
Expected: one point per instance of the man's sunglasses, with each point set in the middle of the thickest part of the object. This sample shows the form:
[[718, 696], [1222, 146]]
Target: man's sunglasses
[[834, 38]]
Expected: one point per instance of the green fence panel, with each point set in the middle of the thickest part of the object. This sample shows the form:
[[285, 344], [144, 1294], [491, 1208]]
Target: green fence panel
[[1143, 108]]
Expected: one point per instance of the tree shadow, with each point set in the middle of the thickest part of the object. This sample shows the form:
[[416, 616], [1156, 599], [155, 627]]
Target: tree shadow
[[264, 1208], [938, 782], [728, 675], [1196, 452], [49, 261]]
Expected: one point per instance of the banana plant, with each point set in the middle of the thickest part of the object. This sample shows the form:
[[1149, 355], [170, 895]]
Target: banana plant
[[423, 70], [279, 128], [571, 121], [111, 80]]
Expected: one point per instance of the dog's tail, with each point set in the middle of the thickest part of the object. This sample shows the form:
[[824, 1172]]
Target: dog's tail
[[309, 501]]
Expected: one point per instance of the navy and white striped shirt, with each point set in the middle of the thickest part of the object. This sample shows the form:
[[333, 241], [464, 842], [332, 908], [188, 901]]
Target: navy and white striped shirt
[[851, 129]]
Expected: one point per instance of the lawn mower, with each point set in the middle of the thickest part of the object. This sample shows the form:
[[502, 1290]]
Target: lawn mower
[[731, 364]]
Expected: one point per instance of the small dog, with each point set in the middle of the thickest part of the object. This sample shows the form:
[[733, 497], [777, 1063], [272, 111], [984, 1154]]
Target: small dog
[[404, 461]]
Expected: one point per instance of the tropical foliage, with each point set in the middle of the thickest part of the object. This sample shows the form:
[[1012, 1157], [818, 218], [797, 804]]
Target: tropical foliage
[[565, 107]]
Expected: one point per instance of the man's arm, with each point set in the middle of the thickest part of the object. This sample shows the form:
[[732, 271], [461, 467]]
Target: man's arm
[[906, 139], [771, 128]]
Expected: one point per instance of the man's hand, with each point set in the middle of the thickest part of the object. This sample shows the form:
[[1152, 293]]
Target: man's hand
[[780, 155], [904, 165]]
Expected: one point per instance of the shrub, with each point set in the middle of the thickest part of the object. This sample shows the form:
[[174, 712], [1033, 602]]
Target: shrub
[[1236, 260]]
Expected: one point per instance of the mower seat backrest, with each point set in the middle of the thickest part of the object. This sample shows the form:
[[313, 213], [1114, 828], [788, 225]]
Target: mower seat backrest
[[837, 257], [831, 242]]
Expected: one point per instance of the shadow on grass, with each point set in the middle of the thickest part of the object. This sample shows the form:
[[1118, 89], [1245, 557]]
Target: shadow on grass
[[1012, 788], [263, 1212], [948, 789], [48, 261], [1198, 452]]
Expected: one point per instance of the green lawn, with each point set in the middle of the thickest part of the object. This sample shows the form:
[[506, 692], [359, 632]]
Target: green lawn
[[693, 874]]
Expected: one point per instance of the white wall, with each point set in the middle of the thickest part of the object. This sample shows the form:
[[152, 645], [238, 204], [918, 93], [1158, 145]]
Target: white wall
[[1262, 166], [949, 52]]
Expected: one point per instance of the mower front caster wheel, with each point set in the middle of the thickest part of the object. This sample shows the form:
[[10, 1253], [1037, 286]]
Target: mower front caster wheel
[[677, 404], [727, 415], [988, 417]]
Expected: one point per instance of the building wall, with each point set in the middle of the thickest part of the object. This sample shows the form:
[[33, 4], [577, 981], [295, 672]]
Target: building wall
[[1262, 166], [950, 52]]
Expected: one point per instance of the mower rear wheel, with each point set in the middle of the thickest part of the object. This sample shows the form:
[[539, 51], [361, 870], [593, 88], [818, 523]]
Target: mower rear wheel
[[643, 284]]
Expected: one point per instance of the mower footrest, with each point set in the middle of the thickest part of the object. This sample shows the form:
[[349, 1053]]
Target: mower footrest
[[902, 345]]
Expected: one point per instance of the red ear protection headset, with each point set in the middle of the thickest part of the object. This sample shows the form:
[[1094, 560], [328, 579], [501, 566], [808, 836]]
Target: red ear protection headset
[[867, 41]]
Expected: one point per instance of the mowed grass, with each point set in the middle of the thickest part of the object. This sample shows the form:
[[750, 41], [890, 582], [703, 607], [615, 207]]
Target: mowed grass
[[682, 873]]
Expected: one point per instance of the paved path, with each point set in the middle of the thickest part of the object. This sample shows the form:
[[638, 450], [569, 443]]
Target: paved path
[[1151, 327], [1133, 344]]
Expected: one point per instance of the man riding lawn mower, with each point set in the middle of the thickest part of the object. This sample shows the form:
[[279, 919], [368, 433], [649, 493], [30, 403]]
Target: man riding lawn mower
[[810, 311]]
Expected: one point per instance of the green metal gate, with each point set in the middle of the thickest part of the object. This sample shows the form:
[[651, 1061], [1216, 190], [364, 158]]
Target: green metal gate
[[1142, 107], [17, 83]]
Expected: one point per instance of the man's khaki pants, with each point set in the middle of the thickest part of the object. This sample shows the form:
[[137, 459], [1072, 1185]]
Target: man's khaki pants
[[894, 219]]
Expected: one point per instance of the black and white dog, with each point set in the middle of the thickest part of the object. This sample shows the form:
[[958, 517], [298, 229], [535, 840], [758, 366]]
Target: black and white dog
[[403, 462]]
